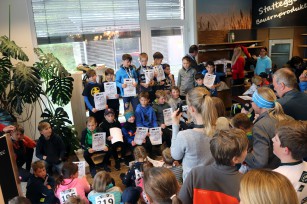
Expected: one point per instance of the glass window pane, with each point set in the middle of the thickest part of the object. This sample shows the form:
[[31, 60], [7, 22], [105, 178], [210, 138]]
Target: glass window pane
[[169, 41], [164, 9]]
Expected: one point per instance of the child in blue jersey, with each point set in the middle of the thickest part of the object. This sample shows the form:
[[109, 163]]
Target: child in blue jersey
[[127, 71], [210, 69], [88, 93]]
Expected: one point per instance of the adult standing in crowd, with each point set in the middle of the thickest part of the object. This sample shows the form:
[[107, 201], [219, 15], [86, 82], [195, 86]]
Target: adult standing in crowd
[[263, 61], [193, 52], [270, 113], [293, 101], [238, 63], [193, 145]]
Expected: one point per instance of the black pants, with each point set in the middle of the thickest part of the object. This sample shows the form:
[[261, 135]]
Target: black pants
[[166, 138], [88, 159], [118, 150]]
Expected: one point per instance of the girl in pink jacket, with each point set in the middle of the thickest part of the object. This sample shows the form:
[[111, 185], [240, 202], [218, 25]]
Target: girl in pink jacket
[[68, 184]]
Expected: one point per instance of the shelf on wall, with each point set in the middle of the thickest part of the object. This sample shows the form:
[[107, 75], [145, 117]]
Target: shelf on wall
[[233, 43], [304, 34], [305, 59], [226, 49], [302, 45]]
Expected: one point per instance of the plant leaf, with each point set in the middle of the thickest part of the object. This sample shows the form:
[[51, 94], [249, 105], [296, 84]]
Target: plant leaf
[[26, 87], [5, 66], [10, 49], [60, 90]]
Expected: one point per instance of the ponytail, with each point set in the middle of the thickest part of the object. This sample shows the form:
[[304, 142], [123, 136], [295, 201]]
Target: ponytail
[[175, 199], [68, 170], [59, 181], [278, 113]]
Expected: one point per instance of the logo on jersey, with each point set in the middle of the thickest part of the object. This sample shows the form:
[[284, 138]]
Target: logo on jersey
[[95, 90]]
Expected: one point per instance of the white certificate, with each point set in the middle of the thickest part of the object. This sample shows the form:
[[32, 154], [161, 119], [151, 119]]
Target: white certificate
[[167, 114], [99, 141], [160, 73], [110, 90], [130, 90], [117, 135], [100, 101], [149, 75], [81, 168], [106, 198], [155, 136], [246, 98], [140, 135], [209, 80]]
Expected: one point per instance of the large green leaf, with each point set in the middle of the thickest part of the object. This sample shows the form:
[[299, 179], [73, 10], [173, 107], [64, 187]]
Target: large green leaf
[[51, 63], [10, 49], [26, 87], [60, 90], [5, 66]]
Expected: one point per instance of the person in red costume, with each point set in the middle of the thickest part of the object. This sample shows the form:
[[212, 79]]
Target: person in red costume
[[238, 63]]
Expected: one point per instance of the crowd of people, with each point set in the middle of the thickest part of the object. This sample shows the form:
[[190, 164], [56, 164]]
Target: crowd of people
[[256, 156]]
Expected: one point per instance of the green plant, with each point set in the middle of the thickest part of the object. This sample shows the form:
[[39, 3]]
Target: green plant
[[21, 85]]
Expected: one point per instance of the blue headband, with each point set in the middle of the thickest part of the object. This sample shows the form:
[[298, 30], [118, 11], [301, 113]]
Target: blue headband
[[261, 102]]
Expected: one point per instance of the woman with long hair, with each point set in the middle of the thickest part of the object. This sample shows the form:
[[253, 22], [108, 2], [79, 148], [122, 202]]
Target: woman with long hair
[[270, 113], [193, 145], [238, 63]]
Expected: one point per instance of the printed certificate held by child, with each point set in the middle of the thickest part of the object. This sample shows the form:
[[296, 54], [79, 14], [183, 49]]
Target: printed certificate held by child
[[130, 90], [100, 101], [99, 141], [209, 80], [110, 90], [160, 73], [167, 114], [149, 75], [140, 135], [155, 136], [81, 168], [117, 135]]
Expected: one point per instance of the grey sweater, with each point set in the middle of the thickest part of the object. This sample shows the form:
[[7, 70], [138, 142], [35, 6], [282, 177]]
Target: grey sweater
[[186, 80], [192, 147]]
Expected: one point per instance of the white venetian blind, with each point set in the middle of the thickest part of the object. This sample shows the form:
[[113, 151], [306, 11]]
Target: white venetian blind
[[165, 9], [57, 18]]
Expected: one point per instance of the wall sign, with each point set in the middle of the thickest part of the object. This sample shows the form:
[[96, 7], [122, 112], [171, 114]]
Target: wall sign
[[279, 13]]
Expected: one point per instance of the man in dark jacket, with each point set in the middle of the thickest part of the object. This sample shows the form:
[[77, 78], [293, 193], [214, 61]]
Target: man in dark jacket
[[50, 147]]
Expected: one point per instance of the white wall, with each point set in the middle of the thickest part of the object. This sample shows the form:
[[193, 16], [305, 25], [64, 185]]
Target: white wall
[[23, 33]]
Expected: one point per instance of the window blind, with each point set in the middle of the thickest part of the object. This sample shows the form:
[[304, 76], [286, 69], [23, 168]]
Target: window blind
[[165, 9], [54, 18]]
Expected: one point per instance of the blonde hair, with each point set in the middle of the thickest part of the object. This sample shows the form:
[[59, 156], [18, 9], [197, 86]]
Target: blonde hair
[[161, 186], [265, 186], [167, 157], [277, 112], [75, 200], [101, 180], [91, 119], [237, 52], [200, 99], [40, 164], [160, 93], [140, 153], [257, 80]]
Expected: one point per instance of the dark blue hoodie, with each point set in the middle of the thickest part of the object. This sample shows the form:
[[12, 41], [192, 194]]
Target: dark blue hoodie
[[145, 117]]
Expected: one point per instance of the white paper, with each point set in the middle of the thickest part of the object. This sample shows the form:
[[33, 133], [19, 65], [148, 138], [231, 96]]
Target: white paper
[[117, 135], [149, 75], [140, 135], [209, 80], [155, 136], [130, 90], [81, 168], [167, 114], [185, 108], [246, 98], [138, 177], [100, 101], [64, 195], [155, 163], [99, 141], [106, 198], [160, 73], [110, 90]]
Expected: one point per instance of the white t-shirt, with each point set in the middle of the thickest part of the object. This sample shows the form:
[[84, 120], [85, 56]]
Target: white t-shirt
[[297, 174]]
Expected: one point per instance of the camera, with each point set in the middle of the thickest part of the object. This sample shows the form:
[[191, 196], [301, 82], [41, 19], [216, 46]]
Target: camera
[[181, 106]]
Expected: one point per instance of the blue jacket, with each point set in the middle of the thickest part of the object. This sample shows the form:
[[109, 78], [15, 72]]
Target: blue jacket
[[122, 74], [129, 130], [303, 86], [145, 117]]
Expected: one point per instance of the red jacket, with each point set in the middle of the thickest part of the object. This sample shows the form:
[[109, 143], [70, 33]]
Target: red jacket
[[238, 68]]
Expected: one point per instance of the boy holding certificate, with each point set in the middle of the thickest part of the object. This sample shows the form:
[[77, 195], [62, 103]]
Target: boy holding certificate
[[126, 80], [208, 73], [87, 145], [112, 91], [146, 77], [108, 125], [89, 92], [159, 72]]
